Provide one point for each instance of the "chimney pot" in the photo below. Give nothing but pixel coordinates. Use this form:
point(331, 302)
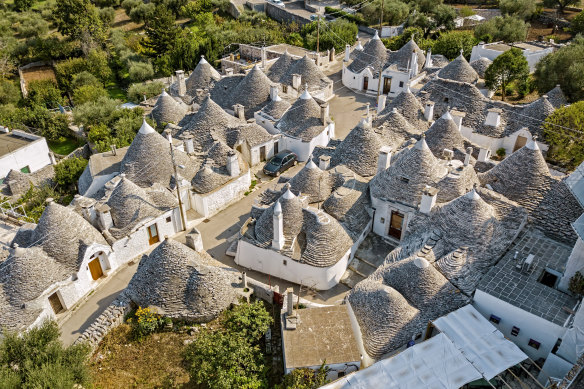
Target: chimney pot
point(484, 155)
point(324, 113)
point(182, 86)
point(429, 111)
point(278, 227)
point(381, 103)
point(428, 199)
point(324, 162)
point(384, 159)
point(467, 156)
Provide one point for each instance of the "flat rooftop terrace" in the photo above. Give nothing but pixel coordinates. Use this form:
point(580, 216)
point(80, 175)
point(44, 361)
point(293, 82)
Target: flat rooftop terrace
point(11, 142)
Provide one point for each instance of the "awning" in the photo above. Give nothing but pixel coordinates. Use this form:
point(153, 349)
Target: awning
point(433, 364)
point(479, 341)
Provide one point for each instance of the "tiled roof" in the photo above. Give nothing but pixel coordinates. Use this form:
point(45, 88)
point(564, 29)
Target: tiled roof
point(480, 66)
point(302, 120)
point(279, 68)
point(374, 54)
point(359, 150)
point(168, 110)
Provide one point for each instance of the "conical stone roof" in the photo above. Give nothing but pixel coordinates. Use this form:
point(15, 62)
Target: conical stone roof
point(532, 116)
point(253, 91)
point(302, 120)
point(403, 57)
point(181, 284)
point(63, 234)
point(311, 181)
point(210, 116)
point(556, 97)
point(409, 107)
point(203, 76)
point(168, 110)
point(459, 70)
point(444, 134)
point(359, 150)
point(310, 74)
point(407, 177)
point(130, 204)
point(480, 66)
point(292, 214)
point(374, 54)
point(280, 67)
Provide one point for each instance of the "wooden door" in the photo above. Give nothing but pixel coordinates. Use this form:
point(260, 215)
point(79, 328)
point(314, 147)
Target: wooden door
point(386, 85)
point(519, 142)
point(365, 83)
point(153, 234)
point(396, 224)
point(263, 153)
point(55, 302)
point(95, 269)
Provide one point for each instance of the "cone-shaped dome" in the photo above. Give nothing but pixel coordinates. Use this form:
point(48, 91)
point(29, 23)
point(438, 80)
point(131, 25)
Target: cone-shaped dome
point(181, 283)
point(556, 97)
point(130, 204)
point(168, 110)
point(310, 74)
point(280, 67)
point(408, 176)
point(207, 179)
point(480, 66)
point(252, 91)
point(210, 116)
point(63, 233)
point(387, 321)
point(202, 77)
point(302, 120)
point(374, 54)
point(403, 57)
point(444, 134)
point(409, 107)
point(459, 70)
point(311, 181)
point(532, 116)
point(292, 214)
point(359, 150)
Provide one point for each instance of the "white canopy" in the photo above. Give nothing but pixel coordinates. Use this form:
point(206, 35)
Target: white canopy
point(433, 364)
point(479, 341)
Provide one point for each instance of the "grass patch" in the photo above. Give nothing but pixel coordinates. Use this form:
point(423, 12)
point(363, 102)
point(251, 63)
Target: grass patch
point(64, 146)
point(115, 92)
point(156, 361)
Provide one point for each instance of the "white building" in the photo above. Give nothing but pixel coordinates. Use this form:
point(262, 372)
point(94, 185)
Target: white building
point(533, 51)
point(23, 152)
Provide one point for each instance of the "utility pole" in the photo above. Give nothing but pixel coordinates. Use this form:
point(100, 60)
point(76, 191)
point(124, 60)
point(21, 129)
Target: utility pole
point(381, 20)
point(180, 204)
point(318, 34)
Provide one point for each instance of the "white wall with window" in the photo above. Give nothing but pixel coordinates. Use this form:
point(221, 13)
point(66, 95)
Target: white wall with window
point(28, 158)
point(303, 149)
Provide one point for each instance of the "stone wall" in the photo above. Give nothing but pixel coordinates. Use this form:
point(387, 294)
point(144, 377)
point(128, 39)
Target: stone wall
point(284, 16)
point(112, 317)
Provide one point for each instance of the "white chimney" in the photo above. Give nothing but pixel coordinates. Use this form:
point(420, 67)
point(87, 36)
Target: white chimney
point(367, 108)
point(188, 142)
point(239, 111)
point(428, 199)
point(414, 64)
point(448, 154)
point(180, 79)
point(274, 92)
point(290, 302)
point(104, 216)
point(52, 158)
point(347, 53)
point(264, 58)
point(296, 79)
point(278, 220)
point(169, 136)
point(229, 72)
point(493, 117)
point(429, 111)
point(324, 161)
point(429, 63)
point(384, 159)
point(381, 103)
point(457, 117)
point(114, 149)
point(232, 164)
point(467, 156)
point(484, 155)
point(324, 113)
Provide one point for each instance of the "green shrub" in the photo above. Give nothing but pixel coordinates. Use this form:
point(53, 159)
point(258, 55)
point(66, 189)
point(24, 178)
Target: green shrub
point(68, 171)
point(251, 320)
point(357, 19)
point(107, 15)
point(84, 78)
point(44, 93)
point(140, 71)
point(128, 5)
point(449, 44)
point(465, 11)
point(142, 12)
point(136, 92)
point(560, 128)
point(576, 285)
point(501, 152)
point(87, 93)
point(66, 69)
point(502, 28)
point(145, 322)
point(9, 92)
point(305, 378)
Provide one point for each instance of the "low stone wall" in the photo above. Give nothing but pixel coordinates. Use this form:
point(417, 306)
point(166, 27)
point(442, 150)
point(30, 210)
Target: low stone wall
point(112, 317)
point(284, 16)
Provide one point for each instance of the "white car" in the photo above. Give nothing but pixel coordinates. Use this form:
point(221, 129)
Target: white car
point(279, 3)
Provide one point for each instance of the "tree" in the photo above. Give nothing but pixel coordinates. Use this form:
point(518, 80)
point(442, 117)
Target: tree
point(161, 32)
point(87, 93)
point(564, 67)
point(136, 92)
point(95, 112)
point(341, 31)
point(502, 28)
point(560, 4)
point(563, 132)
point(576, 285)
point(44, 93)
point(250, 320)
point(9, 92)
point(450, 43)
point(441, 17)
point(79, 19)
point(523, 9)
point(23, 5)
point(506, 68)
point(37, 359)
point(68, 171)
point(305, 378)
point(394, 12)
point(577, 24)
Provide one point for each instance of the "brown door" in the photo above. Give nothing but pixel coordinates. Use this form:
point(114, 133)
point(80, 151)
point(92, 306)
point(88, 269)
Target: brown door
point(365, 83)
point(519, 143)
point(55, 302)
point(153, 234)
point(276, 147)
point(263, 153)
point(396, 224)
point(386, 85)
point(95, 269)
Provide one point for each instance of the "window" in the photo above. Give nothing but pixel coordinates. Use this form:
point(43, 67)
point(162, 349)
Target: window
point(168, 219)
point(340, 374)
point(515, 331)
point(382, 220)
point(25, 169)
point(401, 84)
point(495, 319)
point(284, 262)
point(285, 88)
point(534, 343)
point(446, 99)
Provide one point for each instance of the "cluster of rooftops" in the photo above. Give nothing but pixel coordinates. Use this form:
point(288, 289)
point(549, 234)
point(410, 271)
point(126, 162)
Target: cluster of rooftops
point(462, 212)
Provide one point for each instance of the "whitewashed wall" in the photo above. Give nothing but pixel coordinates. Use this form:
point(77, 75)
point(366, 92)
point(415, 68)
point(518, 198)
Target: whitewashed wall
point(575, 264)
point(271, 262)
point(383, 210)
point(493, 144)
point(97, 183)
point(210, 203)
point(266, 123)
point(532, 57)
point(304, 149)
point(530, 325)
point(255, 152)
point(355, 80)
point(35, 155)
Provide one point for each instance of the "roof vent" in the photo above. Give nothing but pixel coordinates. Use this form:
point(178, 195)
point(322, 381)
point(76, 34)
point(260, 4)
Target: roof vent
point(421, 263)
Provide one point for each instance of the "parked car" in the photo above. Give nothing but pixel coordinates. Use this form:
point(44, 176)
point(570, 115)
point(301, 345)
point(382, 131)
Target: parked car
point(280, 162)
point(279, 3)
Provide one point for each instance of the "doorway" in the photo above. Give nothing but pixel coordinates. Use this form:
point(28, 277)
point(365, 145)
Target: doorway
point(95, 269)
point(386, 85)
point(56, 304)
point(365, 83)
point(519, 142)
point(396, 225)
point(262, 153)
point(153, 234)
point(276, 147)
